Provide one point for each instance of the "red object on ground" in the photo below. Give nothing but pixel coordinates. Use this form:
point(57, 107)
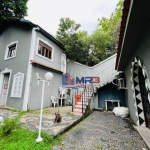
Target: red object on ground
point(78, 97)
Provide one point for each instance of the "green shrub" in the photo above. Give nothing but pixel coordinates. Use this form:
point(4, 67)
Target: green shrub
point(9, 125)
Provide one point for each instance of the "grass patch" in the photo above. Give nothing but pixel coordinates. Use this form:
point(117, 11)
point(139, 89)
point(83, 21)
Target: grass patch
point(97, 146)
point(70, 113)
point(52, 110)
point(23, 139)
point(12, 109)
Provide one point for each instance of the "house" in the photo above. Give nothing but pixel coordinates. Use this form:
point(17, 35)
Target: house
point(101, 76)
point(27, 49)
point(133, 58)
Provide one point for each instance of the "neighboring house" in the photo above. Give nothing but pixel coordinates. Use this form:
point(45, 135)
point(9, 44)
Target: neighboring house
point(133, 57)
point(103, 90)
point(27, 49)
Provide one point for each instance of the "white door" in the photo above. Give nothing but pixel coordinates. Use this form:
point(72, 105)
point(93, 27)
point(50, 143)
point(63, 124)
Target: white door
point(4, 90)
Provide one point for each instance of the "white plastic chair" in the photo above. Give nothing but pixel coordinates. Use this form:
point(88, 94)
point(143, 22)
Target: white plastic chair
point(54, 100)
point(62, 95)
point(60, 89)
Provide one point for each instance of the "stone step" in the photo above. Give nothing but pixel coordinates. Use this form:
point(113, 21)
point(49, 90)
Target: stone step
point(80, 106)
point(84, 99)
point(87, 92)
point(77, 113)
point(78, 110)
point(84, 96)
point(84, 102)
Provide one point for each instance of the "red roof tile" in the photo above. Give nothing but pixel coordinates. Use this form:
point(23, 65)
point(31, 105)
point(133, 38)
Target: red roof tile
point(45, 66)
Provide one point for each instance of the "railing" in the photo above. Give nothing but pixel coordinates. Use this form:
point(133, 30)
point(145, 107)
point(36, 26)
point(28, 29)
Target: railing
point(85, 93)
point(106, 76)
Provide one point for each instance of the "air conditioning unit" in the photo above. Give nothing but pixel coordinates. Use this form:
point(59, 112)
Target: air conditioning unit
point(121, 84)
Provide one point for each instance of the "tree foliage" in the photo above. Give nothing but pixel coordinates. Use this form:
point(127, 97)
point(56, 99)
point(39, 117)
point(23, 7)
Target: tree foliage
point(12, 9)
point(73, 40)
point(91, 49)
point(105, 37)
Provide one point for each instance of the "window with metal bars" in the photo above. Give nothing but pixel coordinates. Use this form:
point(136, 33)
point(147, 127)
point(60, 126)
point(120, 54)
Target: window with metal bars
point(44, 50)
point(11, 51)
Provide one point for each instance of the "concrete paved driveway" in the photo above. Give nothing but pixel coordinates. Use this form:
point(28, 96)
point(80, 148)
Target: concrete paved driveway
point(104, 131)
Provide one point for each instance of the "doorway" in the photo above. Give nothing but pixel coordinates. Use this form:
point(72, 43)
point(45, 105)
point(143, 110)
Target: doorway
point(4, 90)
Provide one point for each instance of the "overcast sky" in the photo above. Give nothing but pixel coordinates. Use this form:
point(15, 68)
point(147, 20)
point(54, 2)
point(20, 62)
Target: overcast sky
point(47, 13)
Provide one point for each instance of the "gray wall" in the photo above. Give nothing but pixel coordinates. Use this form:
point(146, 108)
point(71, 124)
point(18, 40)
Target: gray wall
point(36, 90)
point(22, 34)
point(78, 70)
point(144, 54)
point(104, 69)
point(57, 52)
point(110, 92)
point(51, 90)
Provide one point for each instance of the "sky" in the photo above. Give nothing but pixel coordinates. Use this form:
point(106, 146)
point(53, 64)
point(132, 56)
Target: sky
point(47, 13)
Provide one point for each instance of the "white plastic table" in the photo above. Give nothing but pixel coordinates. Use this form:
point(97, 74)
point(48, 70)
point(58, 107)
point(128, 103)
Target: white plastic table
point(112, 101)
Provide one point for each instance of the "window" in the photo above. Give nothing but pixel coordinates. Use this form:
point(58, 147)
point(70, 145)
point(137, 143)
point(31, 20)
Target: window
point(17, 85)
point(11, 50)
point(45, 50)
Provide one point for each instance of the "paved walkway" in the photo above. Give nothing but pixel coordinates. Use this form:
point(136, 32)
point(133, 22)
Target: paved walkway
point(101, 130)
point(31, 121)
point(104, 131)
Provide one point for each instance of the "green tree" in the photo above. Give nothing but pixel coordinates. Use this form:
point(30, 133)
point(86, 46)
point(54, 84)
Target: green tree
point(91, 49)
point(104, 39)
point(74, 40)
point(99, 41)
point(12, 9)
point(112, 26)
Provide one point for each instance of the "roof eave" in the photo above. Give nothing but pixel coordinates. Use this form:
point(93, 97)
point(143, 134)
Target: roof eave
point(123, 28)
point(38, 64)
